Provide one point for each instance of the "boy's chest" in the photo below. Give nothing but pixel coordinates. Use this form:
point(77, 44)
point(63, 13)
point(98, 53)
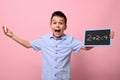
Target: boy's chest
point(60, 46)
point(59, 43)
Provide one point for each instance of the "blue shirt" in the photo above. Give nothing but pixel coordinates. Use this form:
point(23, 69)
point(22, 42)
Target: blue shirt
point(56, 54)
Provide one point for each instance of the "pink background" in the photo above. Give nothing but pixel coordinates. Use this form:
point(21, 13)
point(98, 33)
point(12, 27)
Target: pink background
point(30, 19)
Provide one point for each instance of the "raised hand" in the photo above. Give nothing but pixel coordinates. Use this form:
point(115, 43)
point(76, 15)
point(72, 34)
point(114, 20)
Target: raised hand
point(7, 31)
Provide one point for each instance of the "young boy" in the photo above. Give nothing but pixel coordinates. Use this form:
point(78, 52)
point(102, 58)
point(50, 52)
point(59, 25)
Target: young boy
point(56, 48)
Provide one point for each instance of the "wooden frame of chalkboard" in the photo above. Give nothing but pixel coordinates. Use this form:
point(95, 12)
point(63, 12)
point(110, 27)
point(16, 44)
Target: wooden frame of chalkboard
point(97, 37)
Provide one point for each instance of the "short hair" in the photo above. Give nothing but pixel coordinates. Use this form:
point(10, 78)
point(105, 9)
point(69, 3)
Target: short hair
point(60, 14)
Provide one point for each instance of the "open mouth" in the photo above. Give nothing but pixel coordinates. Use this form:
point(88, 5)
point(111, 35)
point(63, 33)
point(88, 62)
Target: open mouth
point(57, 30)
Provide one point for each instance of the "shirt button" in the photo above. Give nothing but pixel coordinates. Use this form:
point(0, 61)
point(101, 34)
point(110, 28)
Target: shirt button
point(55, 59)
point(55, 75)
point(56, 67)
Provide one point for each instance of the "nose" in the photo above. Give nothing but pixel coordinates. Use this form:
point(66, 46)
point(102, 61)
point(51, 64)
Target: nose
point(57, 25)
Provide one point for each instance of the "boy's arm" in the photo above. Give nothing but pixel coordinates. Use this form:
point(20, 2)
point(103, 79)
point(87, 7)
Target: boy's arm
point(87, 48)
point(15, 38)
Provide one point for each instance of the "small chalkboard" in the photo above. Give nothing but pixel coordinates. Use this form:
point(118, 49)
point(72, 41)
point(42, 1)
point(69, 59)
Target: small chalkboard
point(97, 37)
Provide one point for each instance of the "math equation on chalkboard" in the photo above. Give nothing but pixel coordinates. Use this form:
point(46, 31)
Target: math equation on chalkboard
point(98, 37)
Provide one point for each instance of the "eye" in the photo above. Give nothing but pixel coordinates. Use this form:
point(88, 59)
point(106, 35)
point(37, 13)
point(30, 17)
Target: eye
point(61, 23)
point(54, 22)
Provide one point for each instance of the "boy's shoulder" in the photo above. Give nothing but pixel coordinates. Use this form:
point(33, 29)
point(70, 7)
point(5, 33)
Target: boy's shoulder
point(69, 36)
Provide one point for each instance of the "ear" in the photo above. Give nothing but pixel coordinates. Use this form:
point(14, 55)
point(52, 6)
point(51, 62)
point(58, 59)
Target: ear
point(65, 27)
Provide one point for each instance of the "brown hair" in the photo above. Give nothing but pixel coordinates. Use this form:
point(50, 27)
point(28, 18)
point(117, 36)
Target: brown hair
point(60, 14)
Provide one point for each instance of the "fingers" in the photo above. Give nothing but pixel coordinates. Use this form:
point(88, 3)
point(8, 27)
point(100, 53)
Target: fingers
point(5, 29)
point(112, 35)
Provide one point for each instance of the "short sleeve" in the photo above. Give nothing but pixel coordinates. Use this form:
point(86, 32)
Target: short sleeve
point(76, 45)
point(36, 44)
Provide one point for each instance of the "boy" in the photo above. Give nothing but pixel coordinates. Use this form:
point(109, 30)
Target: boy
point(56, 48)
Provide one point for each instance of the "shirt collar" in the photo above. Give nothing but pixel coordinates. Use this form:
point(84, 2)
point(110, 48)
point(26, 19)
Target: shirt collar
point(60, 38)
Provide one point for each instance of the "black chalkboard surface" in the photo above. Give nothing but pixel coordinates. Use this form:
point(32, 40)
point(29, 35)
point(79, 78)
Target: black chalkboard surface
point(97, 37)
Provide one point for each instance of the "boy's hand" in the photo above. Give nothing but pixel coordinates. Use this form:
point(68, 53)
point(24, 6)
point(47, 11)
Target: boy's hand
point(112, 34)
point(7, 31)
point(87, 48)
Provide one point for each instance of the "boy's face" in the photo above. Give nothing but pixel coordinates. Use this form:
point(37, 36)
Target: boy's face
point(58, 26)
